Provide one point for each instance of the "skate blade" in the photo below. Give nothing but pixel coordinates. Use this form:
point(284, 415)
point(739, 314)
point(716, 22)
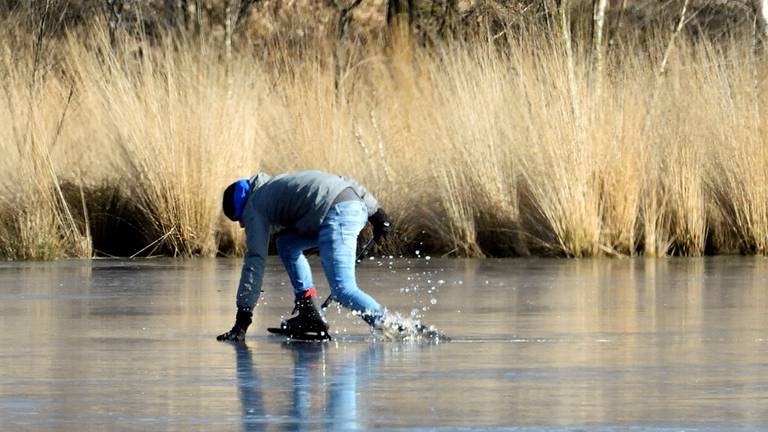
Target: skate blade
point(306, 336)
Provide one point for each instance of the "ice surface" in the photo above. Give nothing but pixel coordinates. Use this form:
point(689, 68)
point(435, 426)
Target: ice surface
point(544, 345)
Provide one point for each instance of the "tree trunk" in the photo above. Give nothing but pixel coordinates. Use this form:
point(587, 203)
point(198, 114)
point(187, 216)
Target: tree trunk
point(228, 32)
point(761, 10)
point(597, 39)
point(565, 27)
point(177, 13)
point(242, 12)
point(114, 9)
point(396, 8)
point(345, 15)
point(170, 10)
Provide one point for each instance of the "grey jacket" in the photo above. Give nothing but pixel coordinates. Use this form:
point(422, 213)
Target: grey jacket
point(297, 201)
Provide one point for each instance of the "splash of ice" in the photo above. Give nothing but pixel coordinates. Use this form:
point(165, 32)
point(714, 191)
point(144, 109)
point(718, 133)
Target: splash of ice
point(395, 327)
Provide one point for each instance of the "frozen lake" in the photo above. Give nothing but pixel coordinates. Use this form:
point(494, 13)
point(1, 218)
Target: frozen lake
point(538, 345)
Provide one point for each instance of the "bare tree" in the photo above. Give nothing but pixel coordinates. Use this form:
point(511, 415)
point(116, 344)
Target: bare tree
point(597, 40)
point(345, 15)
point(234, 13)
point(177, 13)
point(114, 10)
point(228, 18)
point(397, 8)
point(170, 8)
point(565, 26)
point(242, 11)
point(675, 34)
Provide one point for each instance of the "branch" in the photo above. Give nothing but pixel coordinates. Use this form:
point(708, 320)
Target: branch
point(678, 29)
point(345, 15)
point(242, 12)
point(597, 42)
point(114, 10)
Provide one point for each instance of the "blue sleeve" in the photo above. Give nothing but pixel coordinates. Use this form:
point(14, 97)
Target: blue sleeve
point(257, 232)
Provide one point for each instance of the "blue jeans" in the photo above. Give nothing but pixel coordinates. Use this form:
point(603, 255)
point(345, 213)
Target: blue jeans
point(337, 240)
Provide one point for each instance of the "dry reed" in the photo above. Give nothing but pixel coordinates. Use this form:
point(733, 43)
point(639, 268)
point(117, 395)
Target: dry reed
point(473, 149)
point(36, 221)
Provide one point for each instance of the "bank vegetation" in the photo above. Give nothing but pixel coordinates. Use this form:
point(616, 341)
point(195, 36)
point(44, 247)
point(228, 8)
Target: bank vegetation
point(571, 129)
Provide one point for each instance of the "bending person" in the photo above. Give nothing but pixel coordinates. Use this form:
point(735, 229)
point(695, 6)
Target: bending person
point(305, 209)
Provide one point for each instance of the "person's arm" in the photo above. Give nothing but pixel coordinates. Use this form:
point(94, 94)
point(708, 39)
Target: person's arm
point(257, 232)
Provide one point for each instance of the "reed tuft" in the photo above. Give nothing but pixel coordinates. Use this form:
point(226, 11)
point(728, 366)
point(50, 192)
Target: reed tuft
point(476, 148)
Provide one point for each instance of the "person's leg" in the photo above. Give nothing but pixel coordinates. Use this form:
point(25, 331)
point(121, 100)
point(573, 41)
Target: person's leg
point(308, 322)
point(338, 247)
point(291, 247)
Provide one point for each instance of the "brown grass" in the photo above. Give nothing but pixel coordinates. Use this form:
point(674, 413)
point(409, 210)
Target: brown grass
point(474, 150)
point(36, 222)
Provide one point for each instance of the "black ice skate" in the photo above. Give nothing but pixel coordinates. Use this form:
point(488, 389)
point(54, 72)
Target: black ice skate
point(308, 324)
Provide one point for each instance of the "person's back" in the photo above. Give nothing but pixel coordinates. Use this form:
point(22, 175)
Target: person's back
point(300, 200)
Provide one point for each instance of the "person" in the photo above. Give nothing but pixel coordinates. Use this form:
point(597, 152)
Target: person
point(305, 210)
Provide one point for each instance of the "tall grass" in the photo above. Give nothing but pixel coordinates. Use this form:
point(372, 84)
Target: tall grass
point(738, 166)
point(176, 126)
point(475, 150)
point(36, 221)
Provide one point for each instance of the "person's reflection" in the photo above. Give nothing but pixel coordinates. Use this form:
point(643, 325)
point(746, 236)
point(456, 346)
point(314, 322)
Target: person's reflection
point(308, 359)
point(340, 385)
point(308, 368)
point(250, 390)
point(312, 379)
point(342, 405)
point(356, 371)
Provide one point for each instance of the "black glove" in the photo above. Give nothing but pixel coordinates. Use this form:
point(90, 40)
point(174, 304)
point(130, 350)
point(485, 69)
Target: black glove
point(381, 223)
point(237, 334)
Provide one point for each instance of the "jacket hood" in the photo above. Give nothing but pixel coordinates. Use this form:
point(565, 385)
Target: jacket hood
point(259, 179)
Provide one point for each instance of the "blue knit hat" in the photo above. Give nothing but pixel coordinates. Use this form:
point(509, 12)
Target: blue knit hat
point(235, 197)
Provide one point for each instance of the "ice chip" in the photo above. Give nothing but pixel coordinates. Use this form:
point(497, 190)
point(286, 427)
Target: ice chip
point(395, 327)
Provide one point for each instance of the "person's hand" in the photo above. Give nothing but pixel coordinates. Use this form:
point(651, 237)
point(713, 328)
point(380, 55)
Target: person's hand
point(382, 225)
